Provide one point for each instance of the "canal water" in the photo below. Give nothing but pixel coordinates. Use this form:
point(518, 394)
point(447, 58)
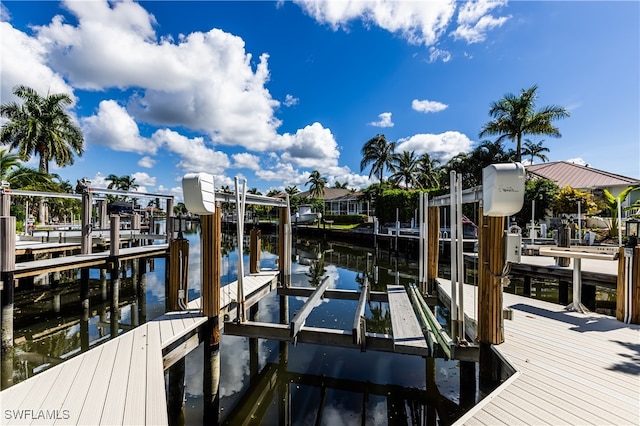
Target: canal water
point(262, 381)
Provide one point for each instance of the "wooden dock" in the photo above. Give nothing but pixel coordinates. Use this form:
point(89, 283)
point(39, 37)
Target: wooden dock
point(570, 368)
point(95, 260)
point(121, 381)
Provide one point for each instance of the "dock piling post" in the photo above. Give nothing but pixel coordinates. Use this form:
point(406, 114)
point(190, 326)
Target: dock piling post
point(7, 266)
point(254, 251)
point(85, 242)
point(284, 248)
point(490, 320)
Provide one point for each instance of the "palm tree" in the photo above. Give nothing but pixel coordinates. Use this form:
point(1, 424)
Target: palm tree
point(339, 185)
point(316, 184)
point(378, 152)
point(41, 126)
point(515, 116)
point(535, 150)
point(273, 192)
point(291, 190)
point(19, 177)
point(404, 168)
point(121, 183)
point(429, 172)
point(254, 191)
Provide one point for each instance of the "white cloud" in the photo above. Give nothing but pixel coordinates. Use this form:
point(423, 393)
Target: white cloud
point(435, 54)
point(290, 100)
point(24, 62)
point(442, 146)
point(419, 22)
point(428, 106)
point(5, 15)
point(474, 20)
point(579, 161)
point(385, 120)
point(114, 128)
point(146, 162)
point(312, 147)
point(195, 155)
point(229, 101)
point(246, 161)
point(143, 179)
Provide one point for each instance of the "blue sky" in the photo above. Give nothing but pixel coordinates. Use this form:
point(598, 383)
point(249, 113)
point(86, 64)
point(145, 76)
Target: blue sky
point(271, 91)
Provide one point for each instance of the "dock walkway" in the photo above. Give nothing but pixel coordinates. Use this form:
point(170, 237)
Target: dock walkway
point(571, 368)
point(118, 382)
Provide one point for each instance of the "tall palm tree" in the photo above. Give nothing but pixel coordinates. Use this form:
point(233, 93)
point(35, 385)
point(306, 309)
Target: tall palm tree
point(292, 190)
point(42, 126)
point(535, 150)
point(405, 169)
point(429, 172)
point(254, 191)
point(515, 116)
point(122, 183)
point(339, 185)
point(316, 184)
point(378, 152)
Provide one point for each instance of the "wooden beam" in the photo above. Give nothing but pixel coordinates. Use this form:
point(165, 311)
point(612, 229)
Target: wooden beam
point(434, 248)
point(490, 266)
point(408, 336)
point(333, 293)
point(301, 316)
point(211, 261)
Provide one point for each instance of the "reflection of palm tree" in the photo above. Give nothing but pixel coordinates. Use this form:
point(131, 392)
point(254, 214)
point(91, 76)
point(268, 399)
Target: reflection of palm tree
point(316, 271)
point(380, 322)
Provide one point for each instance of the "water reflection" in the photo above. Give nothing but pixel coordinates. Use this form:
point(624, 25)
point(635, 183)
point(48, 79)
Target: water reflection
point(299, 384)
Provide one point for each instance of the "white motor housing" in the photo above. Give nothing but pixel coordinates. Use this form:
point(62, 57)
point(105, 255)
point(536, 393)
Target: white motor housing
point(503, 189)
point(199, 193)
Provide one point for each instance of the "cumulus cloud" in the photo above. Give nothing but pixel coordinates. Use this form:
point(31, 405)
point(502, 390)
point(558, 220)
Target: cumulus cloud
point(290, 100)
point(146, 162)
point(143, 180)
point(314, 146)
point(442, 146)
point(229, 101)
point(384, 120)
point(246, 161)
point(114, 128)
point(24, 62)
point(195, 155)
point(474, 20)
point(417, 22)
point(428, 106)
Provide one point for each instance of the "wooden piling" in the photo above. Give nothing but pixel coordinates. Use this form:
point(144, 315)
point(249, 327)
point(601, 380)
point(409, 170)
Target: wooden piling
point(490, 266)
point(85, 242)
point(5, 204)
point(254, 250)
point(284, 248)
point(628, 257)
point(7, 266)
point(178, 272)
point(211, 261)
point(433, 250)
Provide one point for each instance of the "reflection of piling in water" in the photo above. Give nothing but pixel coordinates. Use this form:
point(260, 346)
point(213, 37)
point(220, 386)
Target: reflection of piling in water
point(175, 398)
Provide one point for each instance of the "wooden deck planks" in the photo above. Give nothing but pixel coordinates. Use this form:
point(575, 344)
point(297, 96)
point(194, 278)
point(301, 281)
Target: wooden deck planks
point(408, 336)
point(574, 368)
point(114, 401)
point(118, 382)
point(155, 398)
point(135, 403)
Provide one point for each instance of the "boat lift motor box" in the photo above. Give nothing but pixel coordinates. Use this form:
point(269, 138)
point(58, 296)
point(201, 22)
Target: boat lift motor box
point(503, 189)
point(199, 193)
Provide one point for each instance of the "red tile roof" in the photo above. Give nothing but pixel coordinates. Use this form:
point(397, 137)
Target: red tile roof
point(576, 176)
